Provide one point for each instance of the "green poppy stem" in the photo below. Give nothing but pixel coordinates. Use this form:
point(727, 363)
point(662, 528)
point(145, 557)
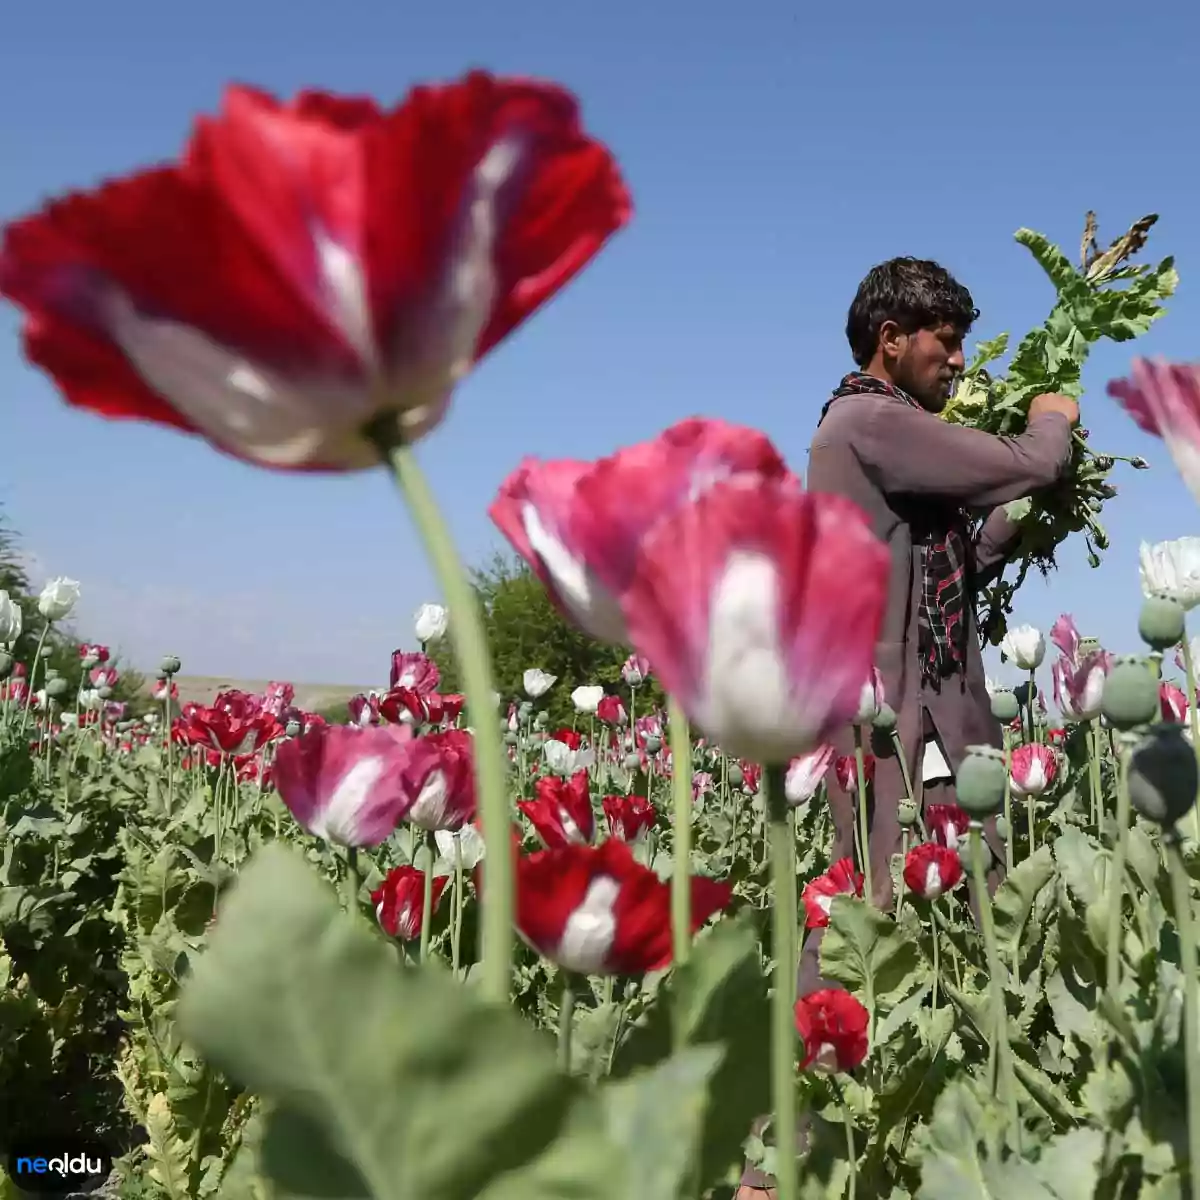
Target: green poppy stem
point(474, 661)
point(566, 1018)
point(783, 1022)
point(1005, 1076)
point(353, 881)
point(681, 796)
point(1094, 786)
point(1008, 841)
point(1181, 897)
point(1116, 885)
point(864, 821)
point(1189, 668)
point(427, 897)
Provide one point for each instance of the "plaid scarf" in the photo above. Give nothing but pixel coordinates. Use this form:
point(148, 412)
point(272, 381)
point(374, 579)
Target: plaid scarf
point(942, 617)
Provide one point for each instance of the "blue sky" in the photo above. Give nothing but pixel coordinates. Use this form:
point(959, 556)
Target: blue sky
point(773, 158)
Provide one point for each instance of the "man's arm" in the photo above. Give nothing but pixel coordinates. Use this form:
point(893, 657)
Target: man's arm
point(913, 452)
point(996, 539)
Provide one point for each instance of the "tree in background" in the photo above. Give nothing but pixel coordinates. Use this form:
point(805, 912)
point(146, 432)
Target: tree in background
point(525, 630)
point(64, 646)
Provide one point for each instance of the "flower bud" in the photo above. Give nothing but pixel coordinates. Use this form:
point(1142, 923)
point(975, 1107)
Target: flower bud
point(1104, 462)
point(45, 652)
point(885, 718)
point(170, 665)
point(56, 686)
point(980, 781)
point(1138, 463)
point(88, 661)
point(653, 744)
point(735, 776)
point(1004, 705)
point(1161, 622)
point(906, 812)
point(1163, 775)
point(1130, 694)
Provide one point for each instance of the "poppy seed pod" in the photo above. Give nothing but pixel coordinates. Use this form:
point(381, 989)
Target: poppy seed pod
point(6, 664)
point(170, 665)
point(735, 776)
point(1163, 776)
point(1130, 693)
point(885, 718)
point(906, 812)
point(1161, 622)
point(511, 739)
point(1002, 830)
point(632, 762)
point(980, 781)
point(1088, 645)
point(292, 729)
point(104, 692)
point(654, 745)
point(56, 686)
point(1004, 705)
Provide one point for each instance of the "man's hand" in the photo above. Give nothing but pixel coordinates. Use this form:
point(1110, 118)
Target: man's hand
point(1052, 402)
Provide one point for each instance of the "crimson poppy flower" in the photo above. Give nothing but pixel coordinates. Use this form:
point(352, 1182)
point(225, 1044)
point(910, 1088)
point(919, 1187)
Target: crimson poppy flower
point(93, 650)
point(1163, 398)
point(309, 268)
point(440, 778)
point(597, 911)
point(804, 774)
point(611, 711)
point(235, 723)
point(345, 784)
point(403, 706)
point(845, 770)
point(629, 818)
point(817, 897)
point(930, 870)
point(414, 670)
point(1174, 703)
point(832, 1026)
point(400, 901)
point(568, 737)
point(562, 812)
point(947, 824)
point(1032, 769)
point(760, 638)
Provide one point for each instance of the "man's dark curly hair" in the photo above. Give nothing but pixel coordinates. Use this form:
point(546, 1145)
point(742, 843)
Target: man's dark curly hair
point(913, 292)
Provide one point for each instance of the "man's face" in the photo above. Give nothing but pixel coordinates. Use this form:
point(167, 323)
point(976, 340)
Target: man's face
point(927, 363)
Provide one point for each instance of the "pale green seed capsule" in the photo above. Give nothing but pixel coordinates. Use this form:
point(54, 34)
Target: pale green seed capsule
point(1004, 705)
point(980, 781)
point(906, 812)
point(1130, 694)
point(885, 718)
point(1161, 622)
point(1163, 775)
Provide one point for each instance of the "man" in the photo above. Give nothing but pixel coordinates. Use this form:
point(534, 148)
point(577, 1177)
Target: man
point(918, 478)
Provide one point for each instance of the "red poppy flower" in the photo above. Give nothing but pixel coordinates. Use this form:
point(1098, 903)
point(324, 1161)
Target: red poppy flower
point(403, 706)
point(597, 911)
point(1164, 399)
point(440, 778)
point(832, 1026)
point(310, 267)
point(840, 879)
point(562, 812)
point(947, 824)
point(629, 818)
point(930, 870)
point(1033, 769)
point(611, 711)
point(1173, 702)
point(235, 723)
point(568, 737)
point(845, 770)
point(414, 670)
point(400, 901)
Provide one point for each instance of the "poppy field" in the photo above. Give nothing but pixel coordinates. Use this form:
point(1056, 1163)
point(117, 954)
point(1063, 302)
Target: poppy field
point(442, 946)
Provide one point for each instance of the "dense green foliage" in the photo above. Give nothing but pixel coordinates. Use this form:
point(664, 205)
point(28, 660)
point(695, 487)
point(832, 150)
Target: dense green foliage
point(525, 630)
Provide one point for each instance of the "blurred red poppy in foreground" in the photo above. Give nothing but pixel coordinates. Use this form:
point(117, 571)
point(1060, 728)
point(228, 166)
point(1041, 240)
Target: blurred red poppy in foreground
point(597, 911)
point(309, 267)
point(1164, 399)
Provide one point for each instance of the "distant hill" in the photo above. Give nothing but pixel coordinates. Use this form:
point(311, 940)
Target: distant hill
point(201, 689)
